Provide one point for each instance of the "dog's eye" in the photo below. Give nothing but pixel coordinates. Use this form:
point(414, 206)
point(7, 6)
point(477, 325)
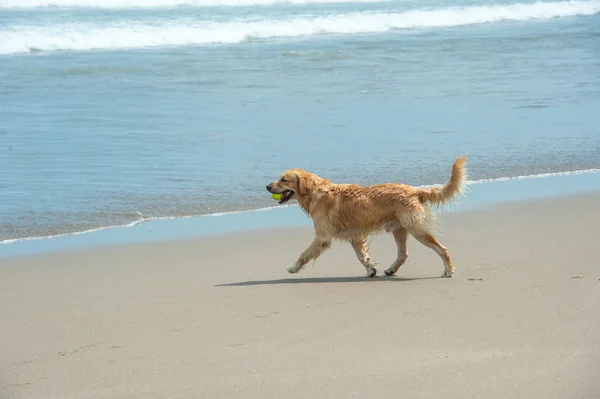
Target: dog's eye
point(283, 179)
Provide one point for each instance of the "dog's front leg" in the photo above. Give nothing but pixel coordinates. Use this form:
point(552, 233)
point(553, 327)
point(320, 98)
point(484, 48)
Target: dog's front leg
point(362, 253)
point(314, 250)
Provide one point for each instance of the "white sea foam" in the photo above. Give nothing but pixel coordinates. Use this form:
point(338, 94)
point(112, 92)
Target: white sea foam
point(127, 4)
point(270, 208)
point(182, 32)
point(132, 224)
point(144, 219)
point(539, 176)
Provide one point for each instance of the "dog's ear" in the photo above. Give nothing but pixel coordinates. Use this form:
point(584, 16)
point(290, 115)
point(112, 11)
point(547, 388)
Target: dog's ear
point(305, 183)
point(299, 185)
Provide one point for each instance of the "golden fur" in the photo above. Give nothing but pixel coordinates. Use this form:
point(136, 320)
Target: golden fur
point(351, 212)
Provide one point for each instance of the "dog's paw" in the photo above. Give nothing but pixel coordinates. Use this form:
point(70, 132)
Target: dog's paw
point(372, 272)
point(448, 273)
point(293, 268)
point(389, 272)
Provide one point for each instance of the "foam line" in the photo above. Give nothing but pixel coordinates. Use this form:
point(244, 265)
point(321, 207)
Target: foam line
point(149, 4)
point(113, 35)
point(147, 219)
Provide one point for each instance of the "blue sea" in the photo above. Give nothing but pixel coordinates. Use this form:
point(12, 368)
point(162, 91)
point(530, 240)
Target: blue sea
point(118, 111)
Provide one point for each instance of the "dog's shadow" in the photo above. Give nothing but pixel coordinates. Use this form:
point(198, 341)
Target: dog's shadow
point(322, 280)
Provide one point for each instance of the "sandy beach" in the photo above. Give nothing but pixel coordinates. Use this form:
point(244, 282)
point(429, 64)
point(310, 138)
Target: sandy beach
point(220, 317)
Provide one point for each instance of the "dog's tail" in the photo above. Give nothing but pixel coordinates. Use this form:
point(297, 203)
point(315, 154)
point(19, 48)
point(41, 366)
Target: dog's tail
point(455, 186)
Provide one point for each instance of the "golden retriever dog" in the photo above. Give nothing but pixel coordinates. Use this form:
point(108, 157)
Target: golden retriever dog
point(351, 212)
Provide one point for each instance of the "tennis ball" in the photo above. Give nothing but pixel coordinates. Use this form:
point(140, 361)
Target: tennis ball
point(276, 197)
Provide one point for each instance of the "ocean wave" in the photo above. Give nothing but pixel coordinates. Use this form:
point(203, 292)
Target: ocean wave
point(130, 34)
point(144, 219)
point(132, 4)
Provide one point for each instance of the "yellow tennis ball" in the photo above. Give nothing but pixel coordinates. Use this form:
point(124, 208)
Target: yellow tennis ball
point(276, 197)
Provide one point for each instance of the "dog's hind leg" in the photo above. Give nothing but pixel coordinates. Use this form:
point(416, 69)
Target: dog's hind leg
point(361, 250)
point(400, 236)
point(314, 250)
point(429, 241)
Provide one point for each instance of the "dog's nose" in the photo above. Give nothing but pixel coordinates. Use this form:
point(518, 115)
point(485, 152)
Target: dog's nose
point(269, 186)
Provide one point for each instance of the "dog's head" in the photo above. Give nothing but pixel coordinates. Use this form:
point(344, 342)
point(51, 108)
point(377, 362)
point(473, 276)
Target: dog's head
point(294, 184)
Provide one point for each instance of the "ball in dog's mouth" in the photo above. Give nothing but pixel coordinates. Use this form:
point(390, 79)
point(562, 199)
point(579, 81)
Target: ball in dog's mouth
point(286, 196)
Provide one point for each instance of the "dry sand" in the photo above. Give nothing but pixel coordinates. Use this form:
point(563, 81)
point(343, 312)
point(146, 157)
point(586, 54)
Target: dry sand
point(220, 317)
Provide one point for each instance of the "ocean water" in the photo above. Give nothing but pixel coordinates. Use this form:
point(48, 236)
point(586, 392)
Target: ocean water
point(115, 111)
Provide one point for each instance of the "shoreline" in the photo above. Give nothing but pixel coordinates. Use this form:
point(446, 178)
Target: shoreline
point(148, 219)
point(480, 195)
point(220, 317)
